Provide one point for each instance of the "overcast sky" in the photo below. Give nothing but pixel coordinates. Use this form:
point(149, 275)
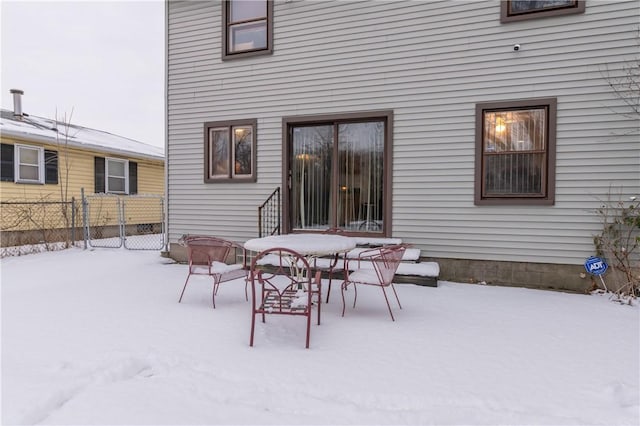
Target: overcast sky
point(103, 60)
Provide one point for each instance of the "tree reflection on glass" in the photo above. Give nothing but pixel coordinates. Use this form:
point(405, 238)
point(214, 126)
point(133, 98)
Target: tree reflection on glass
point(350, 197)
point(243, 141)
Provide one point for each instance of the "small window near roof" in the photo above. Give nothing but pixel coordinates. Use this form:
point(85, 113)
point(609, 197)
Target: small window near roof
point(230, 149)
point(519, 10)
point(515, 152)
point(247, 28)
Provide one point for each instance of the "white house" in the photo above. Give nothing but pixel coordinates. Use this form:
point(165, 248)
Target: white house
point(484, 133)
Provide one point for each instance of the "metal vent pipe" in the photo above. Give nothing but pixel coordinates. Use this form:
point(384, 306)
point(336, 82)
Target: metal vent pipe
point(17, 102)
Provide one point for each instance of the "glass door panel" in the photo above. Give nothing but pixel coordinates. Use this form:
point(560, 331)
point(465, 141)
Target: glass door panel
point(310, 196)
point(360, 176)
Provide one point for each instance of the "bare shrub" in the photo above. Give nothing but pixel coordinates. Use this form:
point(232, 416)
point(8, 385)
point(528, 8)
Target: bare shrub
point(619, 244)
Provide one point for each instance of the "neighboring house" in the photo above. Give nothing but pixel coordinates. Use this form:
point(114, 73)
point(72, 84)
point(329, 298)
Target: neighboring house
point(48, 160)
point(484, 133)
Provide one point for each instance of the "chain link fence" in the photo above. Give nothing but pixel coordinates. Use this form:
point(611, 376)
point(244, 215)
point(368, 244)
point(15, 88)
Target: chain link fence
point(135, 222)
point(35, 226)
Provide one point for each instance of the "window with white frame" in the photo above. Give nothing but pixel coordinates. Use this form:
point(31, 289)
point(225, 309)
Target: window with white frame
point(29, 164)
point(117, 175)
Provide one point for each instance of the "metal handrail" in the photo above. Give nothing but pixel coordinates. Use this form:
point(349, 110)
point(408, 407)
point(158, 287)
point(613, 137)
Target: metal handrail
point(269, 215)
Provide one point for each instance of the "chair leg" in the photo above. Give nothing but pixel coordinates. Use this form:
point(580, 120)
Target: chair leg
point(333, 264)
point(343, 287)
point(184, 288)
point(355, 294)
point(394, 292)
point(388, 305)
point(253, 326)
point(319, 284)
point(308, 327)
point(216, 284)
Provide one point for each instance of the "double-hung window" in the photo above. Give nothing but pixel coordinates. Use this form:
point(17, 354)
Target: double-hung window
point(29, 162)
point(520, 10)
point(515, 152)
point(117, 176)
point(230, 150)
point(247, 28)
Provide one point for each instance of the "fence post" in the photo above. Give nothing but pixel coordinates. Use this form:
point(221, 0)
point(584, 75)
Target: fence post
point(85, 221)
point(121, 220)
point(73, 221)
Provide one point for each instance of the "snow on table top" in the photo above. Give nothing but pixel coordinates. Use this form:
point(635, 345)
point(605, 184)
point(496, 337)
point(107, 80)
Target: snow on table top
point(305, 244)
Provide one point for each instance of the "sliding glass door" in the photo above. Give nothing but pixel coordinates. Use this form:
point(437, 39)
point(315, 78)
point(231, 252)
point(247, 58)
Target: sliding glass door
point(337, 175)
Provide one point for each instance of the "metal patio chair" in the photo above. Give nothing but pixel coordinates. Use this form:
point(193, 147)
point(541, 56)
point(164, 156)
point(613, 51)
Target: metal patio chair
point(375, 267)
point(289, 288)
point(209, 256)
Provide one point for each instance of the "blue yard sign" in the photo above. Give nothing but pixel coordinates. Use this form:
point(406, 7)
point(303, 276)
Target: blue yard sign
point(595, 265)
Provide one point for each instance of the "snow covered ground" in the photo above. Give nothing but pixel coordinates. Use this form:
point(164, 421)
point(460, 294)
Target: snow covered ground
point(97, 337)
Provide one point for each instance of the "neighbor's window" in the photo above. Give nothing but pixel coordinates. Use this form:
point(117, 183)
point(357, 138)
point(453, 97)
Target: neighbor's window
point(515, 152)
point(117, 175)
point(114, 175)
point(230, 151)
point(29, 164)
point(519, 10)
point(247, 28)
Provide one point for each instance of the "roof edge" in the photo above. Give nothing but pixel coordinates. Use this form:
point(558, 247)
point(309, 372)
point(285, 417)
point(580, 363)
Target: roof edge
point(54, 141)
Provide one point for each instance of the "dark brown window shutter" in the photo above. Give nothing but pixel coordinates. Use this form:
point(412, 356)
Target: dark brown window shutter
point(99, 182)
point(133, 177)
point(50, 166)
point(6, 163)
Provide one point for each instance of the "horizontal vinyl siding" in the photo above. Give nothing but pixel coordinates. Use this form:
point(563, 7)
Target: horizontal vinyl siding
point(150, 177)
point(80, 175)
point(429, 62)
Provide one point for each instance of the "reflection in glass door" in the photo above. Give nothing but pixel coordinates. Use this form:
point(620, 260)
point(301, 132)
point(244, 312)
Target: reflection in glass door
point(337, 176)
point(310, 197)
point(360, 175)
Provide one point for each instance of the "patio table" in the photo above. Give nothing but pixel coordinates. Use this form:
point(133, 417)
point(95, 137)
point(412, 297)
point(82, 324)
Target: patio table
point(309, 245)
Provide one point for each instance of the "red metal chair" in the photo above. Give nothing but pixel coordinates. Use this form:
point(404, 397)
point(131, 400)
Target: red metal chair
point(290, 289)
point(376, 267)
point(209, 256)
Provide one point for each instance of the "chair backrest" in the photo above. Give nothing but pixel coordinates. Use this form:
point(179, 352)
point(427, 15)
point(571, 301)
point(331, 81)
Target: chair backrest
point(386, 262)
point(292, 272)
point(202, 249)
